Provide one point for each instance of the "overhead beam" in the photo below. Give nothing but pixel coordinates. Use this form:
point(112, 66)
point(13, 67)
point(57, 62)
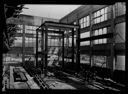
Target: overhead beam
point(53, 31)
point(61, 25)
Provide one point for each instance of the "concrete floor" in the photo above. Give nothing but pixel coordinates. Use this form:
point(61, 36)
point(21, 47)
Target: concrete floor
point(66, 81)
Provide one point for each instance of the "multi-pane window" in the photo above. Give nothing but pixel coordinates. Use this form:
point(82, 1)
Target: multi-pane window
point(12, 58)
point(100, 41)
point(30, 29)
point(120, 8)
point(70, 41)
point(20, 26)
point(84, 22)
point(100, 61)
point(18, 42)
point(100, 32)
point(30, 42)
point(84, 43)
point(85, 35)
point(20, 29)
point(27, 56)
point(84, 58)
point(39, 34)
point(101, 15)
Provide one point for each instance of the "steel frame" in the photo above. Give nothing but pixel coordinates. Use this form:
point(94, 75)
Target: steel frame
point(62, 27)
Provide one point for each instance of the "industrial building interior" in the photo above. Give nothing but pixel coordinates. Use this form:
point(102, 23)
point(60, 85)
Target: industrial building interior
point(84, 50)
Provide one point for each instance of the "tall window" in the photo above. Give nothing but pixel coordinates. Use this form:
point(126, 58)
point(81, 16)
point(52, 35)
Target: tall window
point(70, 41)
point(100, 15)
point(74, 24)
point(20, 27)
point(84, 22)
point(75, 40)
point(100, 31)
point(85, 35)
